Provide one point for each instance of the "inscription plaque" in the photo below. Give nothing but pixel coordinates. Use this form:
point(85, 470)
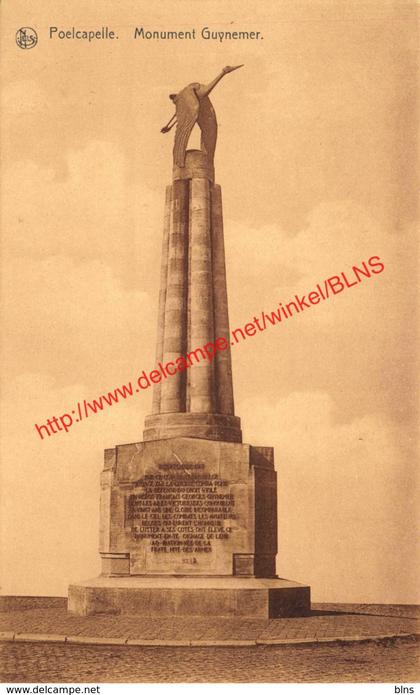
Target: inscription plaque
point(181, 509)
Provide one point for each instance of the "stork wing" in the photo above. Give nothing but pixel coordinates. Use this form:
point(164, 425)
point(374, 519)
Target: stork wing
point(208, 124)
point(187, 108)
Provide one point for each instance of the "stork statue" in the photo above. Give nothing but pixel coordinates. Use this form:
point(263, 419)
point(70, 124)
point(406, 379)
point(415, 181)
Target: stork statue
point(193, 106)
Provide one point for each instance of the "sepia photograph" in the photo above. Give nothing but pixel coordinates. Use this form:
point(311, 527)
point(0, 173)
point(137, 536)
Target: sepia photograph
point(209, 388)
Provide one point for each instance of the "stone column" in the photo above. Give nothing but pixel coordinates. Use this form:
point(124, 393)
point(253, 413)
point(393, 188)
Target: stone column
point(200, 288)
point(198, 401)
point(162, 295)
point(172, 399)
point(223, 361)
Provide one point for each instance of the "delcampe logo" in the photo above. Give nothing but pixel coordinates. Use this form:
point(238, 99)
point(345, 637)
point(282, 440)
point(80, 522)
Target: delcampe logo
point(26, 37)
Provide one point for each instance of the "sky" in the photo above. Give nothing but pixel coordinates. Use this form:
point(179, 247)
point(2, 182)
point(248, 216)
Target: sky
point(316, 158)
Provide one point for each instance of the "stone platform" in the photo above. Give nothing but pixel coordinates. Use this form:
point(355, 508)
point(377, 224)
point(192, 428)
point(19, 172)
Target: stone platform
point(46, 619)
point(224, 597)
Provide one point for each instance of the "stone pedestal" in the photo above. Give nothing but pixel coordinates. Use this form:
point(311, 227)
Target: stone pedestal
point(189, 507)
point(189, 526)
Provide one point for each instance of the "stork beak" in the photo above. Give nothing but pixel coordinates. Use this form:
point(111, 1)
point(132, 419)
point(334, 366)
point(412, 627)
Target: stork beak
point(236, 67)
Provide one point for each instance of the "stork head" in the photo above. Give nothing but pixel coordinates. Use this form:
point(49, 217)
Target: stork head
point(230, 68)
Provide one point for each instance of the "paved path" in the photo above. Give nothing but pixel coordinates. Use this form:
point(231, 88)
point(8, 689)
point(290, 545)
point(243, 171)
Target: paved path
point(386, 661)
point(46, 620)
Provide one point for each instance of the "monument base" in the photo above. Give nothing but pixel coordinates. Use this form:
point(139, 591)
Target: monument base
point(224, 597)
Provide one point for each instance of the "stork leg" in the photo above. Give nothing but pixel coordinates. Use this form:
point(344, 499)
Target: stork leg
point(169, 125)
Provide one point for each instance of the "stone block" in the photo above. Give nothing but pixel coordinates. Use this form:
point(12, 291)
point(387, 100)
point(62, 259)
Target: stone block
point(187, 506)
point(227, 597)
point(115, 563)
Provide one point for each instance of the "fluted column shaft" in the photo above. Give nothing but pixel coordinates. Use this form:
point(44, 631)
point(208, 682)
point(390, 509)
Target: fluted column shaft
point(162, 295)
point(175, 329)
point(200, 291)
point(223, 361)
point(194, 397)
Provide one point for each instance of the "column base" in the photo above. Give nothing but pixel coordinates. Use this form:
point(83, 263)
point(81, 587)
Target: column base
point(197, 425)
point(224, 597)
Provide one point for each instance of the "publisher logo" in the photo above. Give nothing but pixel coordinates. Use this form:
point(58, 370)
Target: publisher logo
point(26, 37)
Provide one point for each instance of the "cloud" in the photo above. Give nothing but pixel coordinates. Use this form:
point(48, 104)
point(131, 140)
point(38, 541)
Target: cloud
point(346, 498)
point(88, 210)
point(50, 501)
point(337, 235)
point(22, 97)
point(74, 321)
point(345, 346)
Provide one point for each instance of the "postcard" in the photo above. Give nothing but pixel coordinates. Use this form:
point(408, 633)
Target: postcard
point(209, 388)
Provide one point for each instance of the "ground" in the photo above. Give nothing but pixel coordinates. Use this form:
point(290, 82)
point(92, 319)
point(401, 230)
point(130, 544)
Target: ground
point(41, 642)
